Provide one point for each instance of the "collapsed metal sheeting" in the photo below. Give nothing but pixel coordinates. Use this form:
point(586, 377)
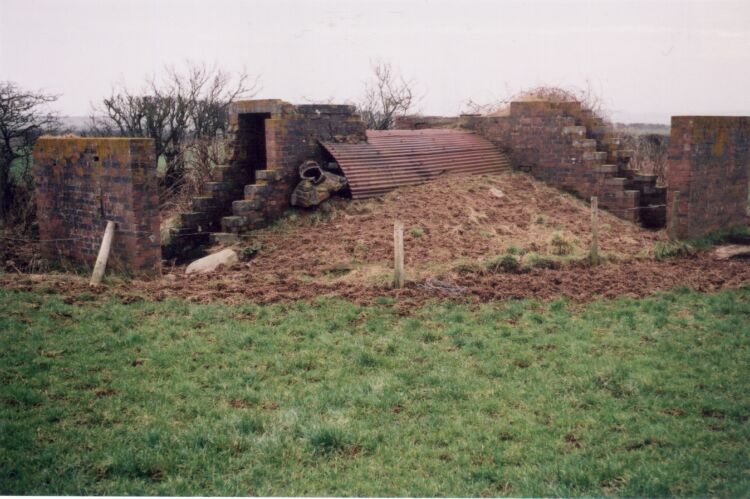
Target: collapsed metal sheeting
point(395, 158)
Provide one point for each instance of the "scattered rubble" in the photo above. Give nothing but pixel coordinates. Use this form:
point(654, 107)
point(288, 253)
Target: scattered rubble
point(225, 257)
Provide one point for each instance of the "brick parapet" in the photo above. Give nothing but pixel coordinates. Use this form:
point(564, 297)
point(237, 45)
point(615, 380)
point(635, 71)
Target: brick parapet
point(81, 183)
point(708, 163)
point(554, 142)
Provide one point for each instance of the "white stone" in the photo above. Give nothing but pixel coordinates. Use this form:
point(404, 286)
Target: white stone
point(211, 262)
point(497, 192)
point(732, 251)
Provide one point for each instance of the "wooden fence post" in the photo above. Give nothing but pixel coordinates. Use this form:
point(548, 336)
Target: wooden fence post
point(594, 254)
point(398, 255)
point(101, 259)
point(673, 217)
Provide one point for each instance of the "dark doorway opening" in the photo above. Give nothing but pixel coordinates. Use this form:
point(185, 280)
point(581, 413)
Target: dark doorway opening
point(251, 143)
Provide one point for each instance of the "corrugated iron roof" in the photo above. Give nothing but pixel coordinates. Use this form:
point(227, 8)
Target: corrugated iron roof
point(396, 158)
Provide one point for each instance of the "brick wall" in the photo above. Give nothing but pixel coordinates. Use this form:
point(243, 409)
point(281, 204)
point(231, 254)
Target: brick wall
point(420, 122)
point(708, 164)
point(81, 183)
point(292, 135)
point(561, 144)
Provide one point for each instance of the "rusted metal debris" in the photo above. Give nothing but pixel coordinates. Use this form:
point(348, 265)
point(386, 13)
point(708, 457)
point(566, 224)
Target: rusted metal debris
point(395, 158)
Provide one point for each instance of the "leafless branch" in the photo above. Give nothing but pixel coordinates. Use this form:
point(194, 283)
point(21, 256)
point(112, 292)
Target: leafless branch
point(386, 96)
point(24, 116)
point(178, 107)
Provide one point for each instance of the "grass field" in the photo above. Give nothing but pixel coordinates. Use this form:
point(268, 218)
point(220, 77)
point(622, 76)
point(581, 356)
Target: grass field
point(626, 397)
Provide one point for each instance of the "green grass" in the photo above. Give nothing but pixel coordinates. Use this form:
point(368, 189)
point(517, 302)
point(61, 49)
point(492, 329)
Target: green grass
point(669, 249)
point(624, 397)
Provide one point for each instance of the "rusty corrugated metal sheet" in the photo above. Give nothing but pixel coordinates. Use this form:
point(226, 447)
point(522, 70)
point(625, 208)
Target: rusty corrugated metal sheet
point(396, 158)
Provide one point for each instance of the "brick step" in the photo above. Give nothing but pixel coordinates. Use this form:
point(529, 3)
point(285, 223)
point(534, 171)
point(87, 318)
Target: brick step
point(214, 188)
point(223, 193)
point(642, 182)
point(575, 131)
point(611, 140)
point(234, 224)
point(658, 193)
point(254, 190)
point(616, 182)
point(244, 207)
point(188, 235)
point(628, 172)
point(224, 238)
point(594, 158)
point(622, 203)
point(268, 176)
point(606, 169)
point(597, 130)
point(585, 144)
point(204, 203)
point(238, 224)
point(595, 155)
point(646, 178)
point(620, 197)
point(198, 221)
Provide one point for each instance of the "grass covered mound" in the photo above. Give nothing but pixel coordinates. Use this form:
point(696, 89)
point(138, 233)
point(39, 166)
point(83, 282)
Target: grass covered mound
point(619, 397)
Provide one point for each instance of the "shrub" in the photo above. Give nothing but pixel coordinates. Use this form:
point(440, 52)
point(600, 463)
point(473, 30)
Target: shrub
point(538, 261)
point(671, 249)
point(504, 263)
point(467, 267)
point(417, 232)
point(561, 244)
point(249, 252)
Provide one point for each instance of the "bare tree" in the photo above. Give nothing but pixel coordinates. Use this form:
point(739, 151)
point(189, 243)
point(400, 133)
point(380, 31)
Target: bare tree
point(387, 95)
point(649, 152)
point(23, 118)
point(178, 107)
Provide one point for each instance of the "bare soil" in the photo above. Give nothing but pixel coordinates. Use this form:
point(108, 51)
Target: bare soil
point(451, 220)
point(345, 249)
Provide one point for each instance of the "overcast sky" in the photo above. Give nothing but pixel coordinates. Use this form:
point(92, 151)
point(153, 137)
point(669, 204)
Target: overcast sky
point(648, 59)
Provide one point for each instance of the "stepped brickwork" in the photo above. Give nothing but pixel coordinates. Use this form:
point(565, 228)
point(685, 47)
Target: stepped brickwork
point(570, 148)
point(268, 140)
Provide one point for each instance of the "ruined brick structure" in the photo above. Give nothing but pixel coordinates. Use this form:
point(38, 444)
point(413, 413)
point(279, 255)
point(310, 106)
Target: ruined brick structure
point(268, 140)
point(708, 163)
point(81, 183)
point(422, 122)
point(569, 148)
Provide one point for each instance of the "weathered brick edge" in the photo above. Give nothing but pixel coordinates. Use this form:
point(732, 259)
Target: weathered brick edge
point(83, 182)
point(568, 147)
point(708, 163)
point(293, 135)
